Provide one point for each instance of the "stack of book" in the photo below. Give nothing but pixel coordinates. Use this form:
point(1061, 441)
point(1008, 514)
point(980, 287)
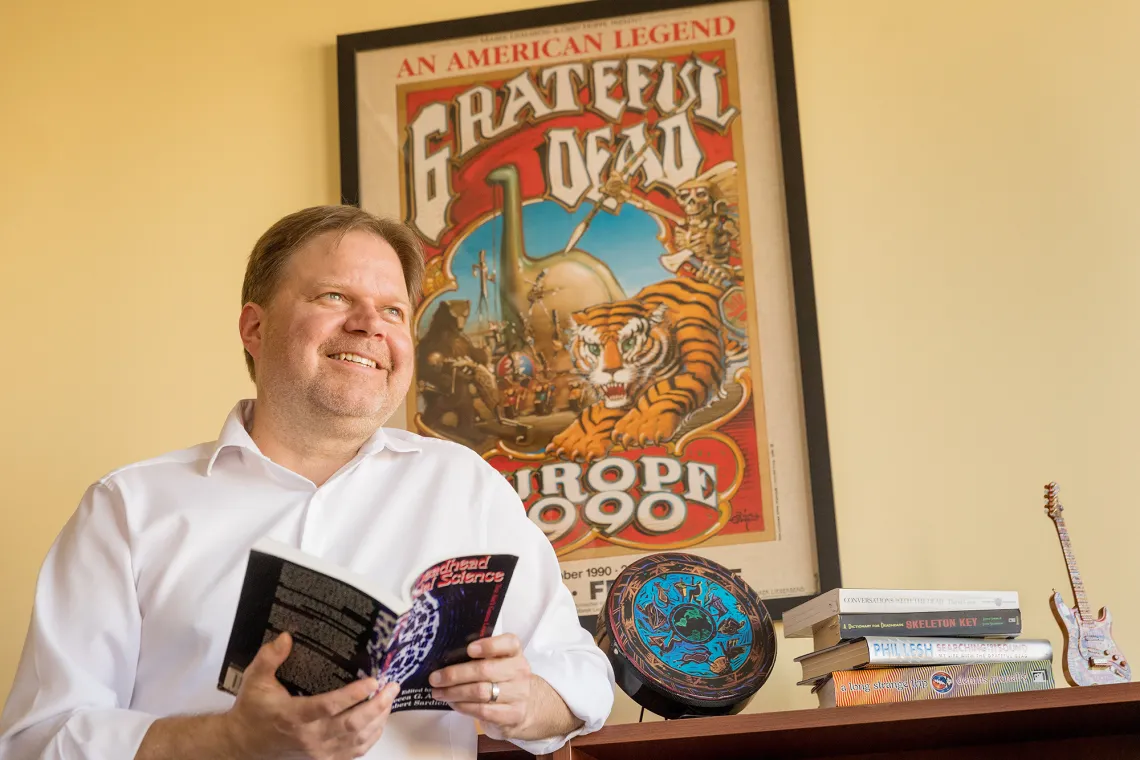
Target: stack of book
point(897, 645)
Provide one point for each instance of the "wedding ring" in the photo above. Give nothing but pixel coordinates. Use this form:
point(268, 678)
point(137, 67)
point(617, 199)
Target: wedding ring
point(494, 692)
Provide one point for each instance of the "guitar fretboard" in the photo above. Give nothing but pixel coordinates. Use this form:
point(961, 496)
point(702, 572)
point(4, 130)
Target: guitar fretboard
point(1074, 573)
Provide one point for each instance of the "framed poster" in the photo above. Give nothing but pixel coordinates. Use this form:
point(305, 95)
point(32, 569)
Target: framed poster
point(618, 312)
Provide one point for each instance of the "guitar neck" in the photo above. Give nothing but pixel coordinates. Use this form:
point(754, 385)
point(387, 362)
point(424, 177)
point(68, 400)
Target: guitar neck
point(1074, 574)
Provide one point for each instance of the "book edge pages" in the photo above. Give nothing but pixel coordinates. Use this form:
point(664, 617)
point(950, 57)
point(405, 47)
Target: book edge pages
point(825, 650)
point(794, 619)
point(361, 583)
point(846, 655)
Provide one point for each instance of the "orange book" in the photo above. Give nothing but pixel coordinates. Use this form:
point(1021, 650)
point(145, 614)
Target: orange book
point(846, 688)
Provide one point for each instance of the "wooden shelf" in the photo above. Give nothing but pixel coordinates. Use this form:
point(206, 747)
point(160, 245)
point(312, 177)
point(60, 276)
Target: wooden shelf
point(1093, 721)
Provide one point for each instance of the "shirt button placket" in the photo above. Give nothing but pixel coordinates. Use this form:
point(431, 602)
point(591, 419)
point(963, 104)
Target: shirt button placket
point(310, 525)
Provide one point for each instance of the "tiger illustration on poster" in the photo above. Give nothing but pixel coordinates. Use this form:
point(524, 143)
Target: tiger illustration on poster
point(589, 312)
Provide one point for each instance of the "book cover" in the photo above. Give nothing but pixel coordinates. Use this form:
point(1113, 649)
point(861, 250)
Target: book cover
point(909, 650)
point(872, 687)
point(345, 627)
point(975, 623)
point(799, 621)
point(889, 651)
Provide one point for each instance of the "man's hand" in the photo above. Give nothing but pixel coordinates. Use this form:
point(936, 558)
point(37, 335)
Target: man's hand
point(526, 707)
point(267, 722)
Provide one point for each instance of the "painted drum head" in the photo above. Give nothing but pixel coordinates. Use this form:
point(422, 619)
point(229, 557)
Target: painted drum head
point(686, 636)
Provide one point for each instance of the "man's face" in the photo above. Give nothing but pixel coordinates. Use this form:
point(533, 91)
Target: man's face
point(335, 339)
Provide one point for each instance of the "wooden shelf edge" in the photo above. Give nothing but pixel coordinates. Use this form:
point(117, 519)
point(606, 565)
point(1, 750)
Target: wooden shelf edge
point(1062, 698)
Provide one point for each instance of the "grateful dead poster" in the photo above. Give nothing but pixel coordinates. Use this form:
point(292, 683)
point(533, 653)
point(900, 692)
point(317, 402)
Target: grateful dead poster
point(606, 315)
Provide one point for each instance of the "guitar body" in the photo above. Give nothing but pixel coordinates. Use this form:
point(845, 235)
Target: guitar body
point(1091, 656)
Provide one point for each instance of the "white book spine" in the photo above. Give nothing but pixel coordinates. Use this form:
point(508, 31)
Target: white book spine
point(902, 601)
point(908, 650)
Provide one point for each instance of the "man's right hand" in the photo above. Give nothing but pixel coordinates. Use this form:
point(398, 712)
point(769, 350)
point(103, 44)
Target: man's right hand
point(267, 722)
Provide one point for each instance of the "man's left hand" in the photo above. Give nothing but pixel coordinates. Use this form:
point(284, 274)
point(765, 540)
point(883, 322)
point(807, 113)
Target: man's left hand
point(495, 687)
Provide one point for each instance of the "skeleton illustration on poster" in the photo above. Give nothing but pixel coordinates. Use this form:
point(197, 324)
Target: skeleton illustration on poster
point(600, 206)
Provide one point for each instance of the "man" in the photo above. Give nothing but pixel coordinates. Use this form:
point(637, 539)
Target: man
point(136, 597)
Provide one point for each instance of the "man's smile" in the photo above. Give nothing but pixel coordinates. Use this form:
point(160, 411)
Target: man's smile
point(355, 359)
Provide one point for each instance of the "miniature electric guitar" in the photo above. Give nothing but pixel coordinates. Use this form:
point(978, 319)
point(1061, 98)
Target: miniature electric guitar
point(1091, 656)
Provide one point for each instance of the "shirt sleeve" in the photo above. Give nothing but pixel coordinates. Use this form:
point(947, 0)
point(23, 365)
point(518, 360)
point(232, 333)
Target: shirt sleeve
point(541, 612)
point(76, 674)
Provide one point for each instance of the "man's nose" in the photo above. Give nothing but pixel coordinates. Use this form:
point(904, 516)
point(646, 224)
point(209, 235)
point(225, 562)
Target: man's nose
point(365, 319)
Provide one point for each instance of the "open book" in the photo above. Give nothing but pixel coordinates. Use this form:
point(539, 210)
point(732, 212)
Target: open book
point(345, 627)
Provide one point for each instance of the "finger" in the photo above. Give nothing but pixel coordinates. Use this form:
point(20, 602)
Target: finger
point(269, 657)
point(509, 691)
point(506, 645)
point(334, 702)
point(497, 670)
point(357, 720)
point(468, 692)
point(372, 733)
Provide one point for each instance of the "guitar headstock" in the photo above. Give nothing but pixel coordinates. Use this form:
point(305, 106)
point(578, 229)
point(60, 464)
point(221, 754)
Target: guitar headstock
point(1053, 506)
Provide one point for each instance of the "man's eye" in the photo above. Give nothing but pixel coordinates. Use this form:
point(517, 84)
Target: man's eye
point(333, 296)
point(396, 311)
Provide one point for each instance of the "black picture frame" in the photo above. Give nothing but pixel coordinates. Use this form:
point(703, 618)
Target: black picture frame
point(815, 416)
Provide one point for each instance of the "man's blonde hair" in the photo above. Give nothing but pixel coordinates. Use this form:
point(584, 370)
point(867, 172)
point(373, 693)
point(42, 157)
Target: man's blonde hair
point(272, 251)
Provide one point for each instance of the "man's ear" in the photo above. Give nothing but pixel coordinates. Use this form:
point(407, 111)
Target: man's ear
point(249, 328)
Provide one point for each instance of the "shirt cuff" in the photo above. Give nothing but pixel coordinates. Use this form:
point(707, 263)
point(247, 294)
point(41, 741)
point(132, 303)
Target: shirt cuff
point(579, 681)
point(100, 734)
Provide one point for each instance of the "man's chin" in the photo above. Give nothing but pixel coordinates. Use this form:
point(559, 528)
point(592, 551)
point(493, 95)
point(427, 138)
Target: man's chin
point(375, 409)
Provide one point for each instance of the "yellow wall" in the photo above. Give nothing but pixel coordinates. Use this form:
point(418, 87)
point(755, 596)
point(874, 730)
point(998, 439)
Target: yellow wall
point(973, 175)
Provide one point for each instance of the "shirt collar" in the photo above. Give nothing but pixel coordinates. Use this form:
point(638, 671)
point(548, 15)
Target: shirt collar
point(383, 439)
point(235, 434)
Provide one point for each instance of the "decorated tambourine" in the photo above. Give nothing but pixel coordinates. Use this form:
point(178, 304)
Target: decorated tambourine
point(686, 636)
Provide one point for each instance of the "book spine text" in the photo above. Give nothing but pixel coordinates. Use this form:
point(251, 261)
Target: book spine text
point(863, 601)
point(907, 650)
point(870, 687)
point(972, 623)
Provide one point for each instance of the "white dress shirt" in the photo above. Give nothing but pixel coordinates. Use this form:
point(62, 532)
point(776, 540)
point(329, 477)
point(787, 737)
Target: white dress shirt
point(136, 598)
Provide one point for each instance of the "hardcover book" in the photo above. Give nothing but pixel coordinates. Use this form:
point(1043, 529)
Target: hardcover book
point(799, 621)
point(872, 687)
point(346, 626)
point(889, 651)
point(974, 623)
